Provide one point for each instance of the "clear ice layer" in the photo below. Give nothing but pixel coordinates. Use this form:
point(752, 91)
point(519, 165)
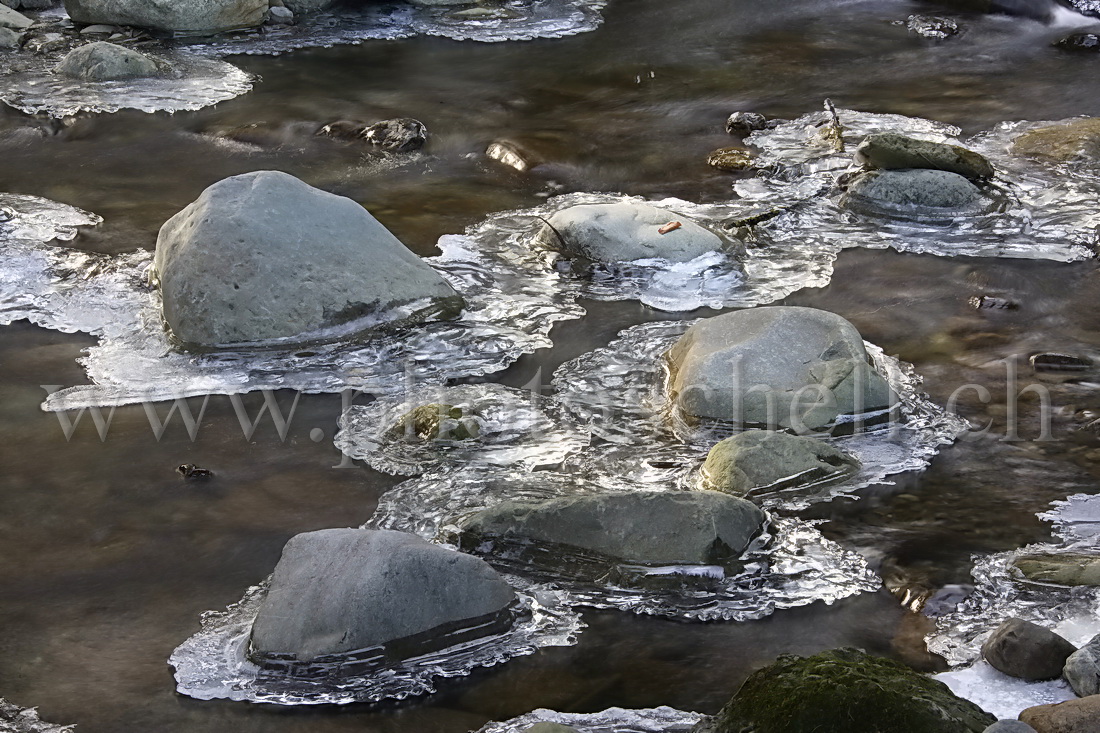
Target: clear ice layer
point(612, 720)
point(515, 428)
point(192, 82)
point(1002, 592)
point(1038, 211)
point(213, 664)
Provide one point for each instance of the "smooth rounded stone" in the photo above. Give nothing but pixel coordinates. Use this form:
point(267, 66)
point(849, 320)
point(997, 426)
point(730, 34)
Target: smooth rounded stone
point(743, 123)
point(645, 527)
point(1068, 569)
point(1079, 42)
point(179, 17)
point(1080, 138)
point(775, 366)
point(911, 191)
point(1074, 716)
point(730, 159)
point(299, 7)
point(1028, 651)
point(625, 232)
point(337, 591)
point(1009, 726)
point(94, 30)
point(844, 691)
point(890, 151)
point(1082, 670)
point(436, 422)
point(280, 15)
point(764, 459)
point(102, 61)
point(263, 256)
point(549, 728)
point(400, 135)
point(9, 38)
point(11, 19)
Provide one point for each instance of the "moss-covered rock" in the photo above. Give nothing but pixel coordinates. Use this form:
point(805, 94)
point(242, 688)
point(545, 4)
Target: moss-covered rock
point(436, 422)
point(889, 150)
point(1068, 569)
point(730, 159)
point(844, 691)
point(1080, 138)
point(758, 459)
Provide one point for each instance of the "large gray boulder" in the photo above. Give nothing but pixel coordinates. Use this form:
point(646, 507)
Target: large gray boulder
point(102, 61)
point(650, 528)
point(550, 728)
point(1082, 670)
point(916, 192)
point(778, 366)
point(343, 590)
point(758, 459)
point(625, 232)
point(1009, 726)
point(263, 256)
point(9, 38)
point(1028, 651)
point(889, 150)
point(1074, 716)
point(179, 17)
point(11, 19)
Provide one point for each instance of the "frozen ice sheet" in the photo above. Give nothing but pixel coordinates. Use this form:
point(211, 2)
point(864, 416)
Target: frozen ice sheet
point(612, 720)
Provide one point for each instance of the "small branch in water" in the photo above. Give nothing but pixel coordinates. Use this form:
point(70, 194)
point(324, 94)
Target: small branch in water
point(834, 133)
point(561, 239)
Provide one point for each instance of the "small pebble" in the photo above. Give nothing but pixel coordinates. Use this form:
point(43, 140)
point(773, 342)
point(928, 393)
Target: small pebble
point(191, 472)
point(1052, 362)
point(990, 302)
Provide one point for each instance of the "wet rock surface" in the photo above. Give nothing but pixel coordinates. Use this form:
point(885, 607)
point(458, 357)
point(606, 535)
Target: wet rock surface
point(1064, 569)
point(345, 590)
point(436, 422)
point(844, 691)
point(1082, 669)
point(102, 61)
point(1074, 716)
point(1009, 726)
point(743, 123)
point(730, 159)
point(933, 26)
point(265, 256)
point(651, 528)
point(184, 17)
point(891, 151)
point(912, 191)
point(759, 458)
point(1065, 142)
point(1022, 649)
point(777, 365)
point(13, 20)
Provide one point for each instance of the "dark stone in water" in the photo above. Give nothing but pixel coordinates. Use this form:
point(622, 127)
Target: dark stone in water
point(1028, 651)
point(1051, 362)
point(742, 123)
point(989, 302)
point(402, 135)
point(14, 719)
point(844, 691)
point(192, 472)
point(931, 26)
point(1080, 42)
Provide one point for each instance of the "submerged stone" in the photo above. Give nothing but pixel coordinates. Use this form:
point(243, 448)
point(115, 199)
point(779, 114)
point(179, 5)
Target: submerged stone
point(401, 135)
point(764, 459)
point(626, 232)
point(1028, 651)
point(263, 256)
point(102, 61)
point(775, 366)
point(912, 192)
point(182, 17)
point(436, 422)
point(1077, 139)
point(844, 691)
point(1064, 569)
point(890, 151)
point(650, 528)
point(730, 159)
point(1080, 42)
point(1082, 670)
point(1073, 716)
point(338, 591)
point(743, 123)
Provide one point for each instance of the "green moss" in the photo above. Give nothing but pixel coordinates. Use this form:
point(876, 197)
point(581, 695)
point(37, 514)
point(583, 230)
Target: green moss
point(426, 423)
point(845, 691)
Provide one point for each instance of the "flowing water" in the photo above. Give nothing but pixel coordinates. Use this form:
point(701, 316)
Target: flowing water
point(110, 558)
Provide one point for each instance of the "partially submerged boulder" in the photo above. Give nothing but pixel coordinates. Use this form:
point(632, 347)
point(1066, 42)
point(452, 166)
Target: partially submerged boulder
point(912, 192)
point(11, 19)
point(1064, 569)
point(890, 151)
point(844, 691)
point(338, 591)
point(102, 61)
point(9, 38)
point(1073, 716)
point(649, 528)
point(1082, 670)
point(758, 459)
point(775, 366)
point(1064, 142)
point(264, 257)
point(436, 422)
point(177, 17)
point(1009, 726)
point(1028, 651)
point(625, 232)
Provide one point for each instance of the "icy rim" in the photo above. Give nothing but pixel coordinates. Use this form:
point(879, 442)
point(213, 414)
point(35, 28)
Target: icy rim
point(212, 664)
point(612, 720)
point(1001, 593)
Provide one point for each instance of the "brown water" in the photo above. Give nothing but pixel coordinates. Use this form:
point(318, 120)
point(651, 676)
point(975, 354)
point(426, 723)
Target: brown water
point(108, 557)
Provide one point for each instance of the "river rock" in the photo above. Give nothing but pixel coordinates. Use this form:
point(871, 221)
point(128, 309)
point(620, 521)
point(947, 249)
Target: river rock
point(1079, 42)
point(1067, 569)
point(778, 365)
point(102, 61)
point(646, 527)
point(342, 590)
point(761, 458)
point(436, 422)
point(179, 17)
point(625, 232)
point(308, 6)
point(932, 26)
point(11, 19)
point(743, 123)
point(550, 728)
point(889, 150)
point(1077, 139)
point(1009, 726)
point(9, 38)
point(1073, 716)
point(1082, 670)
point(730, 159)
point(911, 191)
point(1028, 651)
point(844, 691)
point(280, 15)
point(263, 256)
point(401, 135)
